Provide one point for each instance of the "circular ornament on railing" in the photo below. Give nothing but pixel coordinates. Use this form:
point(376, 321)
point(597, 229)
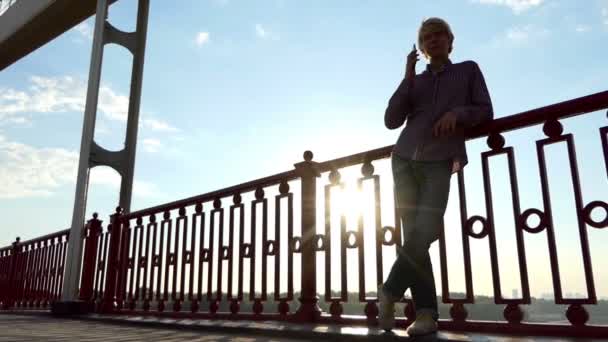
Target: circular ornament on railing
point(270, 248)
point(308, 156)
point(513, 314)
point(589, 209)
point(167, 215)
point(152, 218)
point(246, 249)
point(213, 306)
point(217, 203)
point(469, 227)
point(577, 315)
point(334, 177)
point(182, 211)
point(336, 309)
point(390, 241)
point(118, 210)
point(258, 307)
point(95, 216)
point(235, 306)
point(352, 240)
point(458, 312)
point(296, 245)
point(138, 221)
point(542, 221)
point(367, 169)
point(371, 311)
point(225, 253)
point(553, 129)
point(236, 199)
point(198, 208)
point(259, 193)
point(495, 141)
point(283, 307)
point(319, 241)
point(283, 187)
point(205, 255)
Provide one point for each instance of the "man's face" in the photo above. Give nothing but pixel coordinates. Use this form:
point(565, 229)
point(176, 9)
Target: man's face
point(436, 43)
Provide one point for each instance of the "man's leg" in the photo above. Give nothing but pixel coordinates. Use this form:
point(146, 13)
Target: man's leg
point(401, 276)
point(434, 180)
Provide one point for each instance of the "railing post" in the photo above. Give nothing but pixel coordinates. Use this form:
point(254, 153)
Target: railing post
point(109, 293)
point(308, 311)
point(11, 290)
point(92, 232)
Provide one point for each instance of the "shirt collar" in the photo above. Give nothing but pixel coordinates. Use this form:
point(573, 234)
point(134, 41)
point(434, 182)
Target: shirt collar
point(446, 66)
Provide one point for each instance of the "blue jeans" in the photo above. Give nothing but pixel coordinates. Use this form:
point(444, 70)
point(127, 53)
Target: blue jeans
point(421, 190)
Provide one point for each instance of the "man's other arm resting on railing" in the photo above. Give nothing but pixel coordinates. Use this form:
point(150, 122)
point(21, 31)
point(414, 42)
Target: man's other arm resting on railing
point(480, 109)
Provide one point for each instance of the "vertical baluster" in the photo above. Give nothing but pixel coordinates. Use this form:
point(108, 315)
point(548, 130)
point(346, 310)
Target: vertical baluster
point(92, 231)
point(48, 272)
point(576, 313)
point(139, 261)
point(198, 216)
point(186, 257)
point(179, 258)
point(283, 306)
point(154, 265)
point(174, 262)
point(53, 270)
point(258, 306)
point(202, 253)
point(168, 225)
point(214, 302)
point(223, 253)
point(336, 308)
point(308, 171)
point(98, 268)
point(234, 300)
point(146, 263)
point(112, 260)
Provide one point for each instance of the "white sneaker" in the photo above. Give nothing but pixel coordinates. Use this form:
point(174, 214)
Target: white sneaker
point(424, 324)
point(386, 310)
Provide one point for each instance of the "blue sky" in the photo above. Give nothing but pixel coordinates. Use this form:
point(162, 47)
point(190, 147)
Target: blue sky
point(237, 90)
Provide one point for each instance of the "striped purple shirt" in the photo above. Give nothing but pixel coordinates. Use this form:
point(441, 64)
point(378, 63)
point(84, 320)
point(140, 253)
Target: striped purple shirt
point(459, 88)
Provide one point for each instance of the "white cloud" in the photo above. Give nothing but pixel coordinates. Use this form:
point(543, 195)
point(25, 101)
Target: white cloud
point(158, 125)
point(582, 28)
point(260, 31)
point(66, 94)
point(517, 6)
point(202, 38)
point(28, 171)
point(524, 34)
point(85, 30)
point(264, 33)
point(151, 145)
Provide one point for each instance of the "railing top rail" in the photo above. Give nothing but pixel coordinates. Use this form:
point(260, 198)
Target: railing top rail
point(46, 237)
point(560, 110)
point(240, 188)
point(532, 117)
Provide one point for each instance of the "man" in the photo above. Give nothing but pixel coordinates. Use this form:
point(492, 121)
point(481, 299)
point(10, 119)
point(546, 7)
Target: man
point(438, 105)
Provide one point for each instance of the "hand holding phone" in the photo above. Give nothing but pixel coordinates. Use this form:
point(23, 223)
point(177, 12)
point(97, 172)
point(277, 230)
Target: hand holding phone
point(410, 67)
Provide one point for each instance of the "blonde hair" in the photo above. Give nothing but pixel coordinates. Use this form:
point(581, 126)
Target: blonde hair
point(434, 24)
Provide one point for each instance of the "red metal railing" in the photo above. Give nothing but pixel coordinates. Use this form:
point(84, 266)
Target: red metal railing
point(31, 272)
point(188, 258)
